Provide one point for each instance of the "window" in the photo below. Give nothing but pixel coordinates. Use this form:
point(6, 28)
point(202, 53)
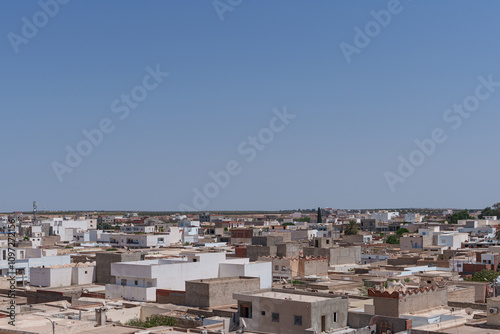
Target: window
point(283, 268)
point(297, 320)
point(85, 271)
point(275, 317)
point(263, 313)
point(136, 282)
point(124, 282)
point(334, 316)
point(276, 268)
point(246, 311)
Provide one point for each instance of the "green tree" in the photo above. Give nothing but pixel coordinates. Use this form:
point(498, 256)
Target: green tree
point(462, 215)
point(489, 211)
point(287, 224)
point(304, 219)
point(351, 229)
point(319, 219)
point(392, 239)
point(485, 276)
point(153, 321)
point(402, 231)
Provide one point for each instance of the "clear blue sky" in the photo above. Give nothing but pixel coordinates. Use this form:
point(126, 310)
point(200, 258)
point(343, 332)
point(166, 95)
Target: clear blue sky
point(353, 119)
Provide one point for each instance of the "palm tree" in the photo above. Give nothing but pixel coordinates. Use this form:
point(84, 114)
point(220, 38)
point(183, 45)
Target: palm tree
point(351, 229)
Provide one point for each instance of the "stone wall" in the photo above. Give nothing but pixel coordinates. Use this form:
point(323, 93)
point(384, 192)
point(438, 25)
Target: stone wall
point(256, 251)
point(360, 320)
point(404, 302)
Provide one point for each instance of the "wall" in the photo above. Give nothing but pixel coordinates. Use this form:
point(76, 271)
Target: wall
point(288, 250)
point(218, 291)
point(345, 255)
point(360, 320)
point(267, 240)
point(104, 260)
point(256, 251)
point(51, 277)
point(493, 319)
point(316, 266)
point(413, 300)
point(123, 315)
point(170, 297)
point(83, 275)
point(263, 270)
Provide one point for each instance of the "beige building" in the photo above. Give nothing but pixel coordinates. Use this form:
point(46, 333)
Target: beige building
point(415, 242)
point(290, 311)
point(291, 267)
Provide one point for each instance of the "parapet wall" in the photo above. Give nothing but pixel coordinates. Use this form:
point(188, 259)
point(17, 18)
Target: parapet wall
point(396, 303)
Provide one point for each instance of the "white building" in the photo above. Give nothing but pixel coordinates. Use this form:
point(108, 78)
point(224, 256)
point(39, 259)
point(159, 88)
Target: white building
point(137, 229)
point(413, 218)
point(138, 280)
point(23, 266)
point(384, 215)
point(63, 275)
point(452, 240)
point(189, 231)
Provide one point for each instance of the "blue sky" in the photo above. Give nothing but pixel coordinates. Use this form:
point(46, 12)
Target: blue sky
point(353, 120)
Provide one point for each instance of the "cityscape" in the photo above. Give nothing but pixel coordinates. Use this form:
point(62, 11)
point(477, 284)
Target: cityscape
point(260, 167)
point(321, 270)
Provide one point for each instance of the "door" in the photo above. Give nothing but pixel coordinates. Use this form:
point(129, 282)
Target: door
point(323, 325)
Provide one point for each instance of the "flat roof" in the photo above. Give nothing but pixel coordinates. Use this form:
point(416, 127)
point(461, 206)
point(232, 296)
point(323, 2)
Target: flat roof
point(290, 296)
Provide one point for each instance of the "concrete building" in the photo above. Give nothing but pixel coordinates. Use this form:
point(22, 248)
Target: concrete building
point(215, 292)
point(23, 266)
point(452, 240)
point(413, 218)
point(105, 259)
point(415, 242)
point(384, 216)
point(293, 267)
point(129, 228)
point(303, 234)
point(291, 312)
point(336, 255)
point(138, 280)
point(189, 231)
point(141, 240)
point(65, 275)
point(204, 217)
point(241, 236)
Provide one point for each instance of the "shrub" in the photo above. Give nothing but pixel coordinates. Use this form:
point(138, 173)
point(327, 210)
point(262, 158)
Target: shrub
point(153, 321)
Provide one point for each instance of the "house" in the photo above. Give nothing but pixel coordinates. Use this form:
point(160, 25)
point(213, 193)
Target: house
point(415, 242)
point(63, 275)
point(452, 240)
point(138, 280)
point(290, 311)
point(291, 267)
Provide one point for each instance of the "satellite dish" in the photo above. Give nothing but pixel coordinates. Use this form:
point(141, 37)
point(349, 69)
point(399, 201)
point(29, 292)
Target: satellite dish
point(468, 311)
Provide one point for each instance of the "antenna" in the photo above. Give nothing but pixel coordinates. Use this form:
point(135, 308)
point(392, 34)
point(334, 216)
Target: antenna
point(35, 206)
